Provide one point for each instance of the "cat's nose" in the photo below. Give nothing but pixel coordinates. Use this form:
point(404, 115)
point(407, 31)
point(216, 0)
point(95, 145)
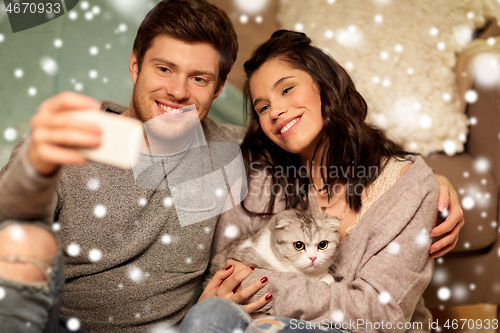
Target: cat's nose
point(313, 258)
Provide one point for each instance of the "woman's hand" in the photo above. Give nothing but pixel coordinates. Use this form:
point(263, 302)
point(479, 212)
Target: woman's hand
point(448, 204)
point(226, 284)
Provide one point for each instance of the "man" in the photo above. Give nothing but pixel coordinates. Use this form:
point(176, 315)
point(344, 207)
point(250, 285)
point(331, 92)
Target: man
point(129, 266)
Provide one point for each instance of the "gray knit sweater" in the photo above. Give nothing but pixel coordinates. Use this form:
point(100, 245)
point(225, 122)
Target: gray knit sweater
point(149, 266)
point(382, 268)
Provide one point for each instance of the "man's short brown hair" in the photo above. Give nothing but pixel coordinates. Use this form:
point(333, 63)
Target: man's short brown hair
point(190, 21)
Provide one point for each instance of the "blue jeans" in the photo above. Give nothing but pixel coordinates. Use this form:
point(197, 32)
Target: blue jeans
point(33, 308)
point(217, 315)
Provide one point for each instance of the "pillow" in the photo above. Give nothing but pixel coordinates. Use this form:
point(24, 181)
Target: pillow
point(401, 55)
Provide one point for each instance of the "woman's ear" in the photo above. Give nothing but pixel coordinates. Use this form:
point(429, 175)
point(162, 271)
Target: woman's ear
point(133, 67)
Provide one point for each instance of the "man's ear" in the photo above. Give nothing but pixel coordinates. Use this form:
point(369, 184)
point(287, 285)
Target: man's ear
point(219, 90)
point(133, 67)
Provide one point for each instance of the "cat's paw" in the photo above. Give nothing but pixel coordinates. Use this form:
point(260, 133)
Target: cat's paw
point(327, 278)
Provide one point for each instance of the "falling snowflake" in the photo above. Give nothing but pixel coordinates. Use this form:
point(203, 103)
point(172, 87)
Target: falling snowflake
point(440, 276)
point(386, 82)
point(18, 73)
point(473, 121)
point(100, 211)
point(10, 134)
point(471, 96)
point(330, 1)
point(166, 239)
point(472, 286)
point(96, 10)
point(89, 16)
point(84, 5)
point(122, 27)
point(470, 15)
point(32, 91)
point(95, 255)
point(94, 50)
point(78, 87)
point(73, 324)
point(337, 316)
point(251, 7)
point(434, 31)
point(384, 55)
point(73, 15)
point(441, 46)
point(168, 202)
point(93, 184)
point(450, 147)
point(410, 71)
point(422, 239)
point(58, 43)
point(2, 293)
point(468, 203)
point(444, 214)
point(243, 19)
point(447, 97)
point(425, 121)
point(444, 293)
point(393, 247)
point(189, 260)
point(460, 292)
point(56, 227)
point(93, 74)
point(384, 297)
point(201, 246)
point(299, 26)
point(231, 231)
point(207, 230)
point(237, 330)
point(142, 202)
point(481, 165)
point(135, 274)
point(467, 245)
point(398, 48)
point(219, 192)
point(49, 65)
point(138, 315)
point(120, 286)
point(258, 19)
point(484, 215)
point(379, 18)
point(73, 250)
point(2, 38)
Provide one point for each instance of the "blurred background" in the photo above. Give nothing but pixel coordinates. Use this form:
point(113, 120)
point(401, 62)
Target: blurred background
point(429, 70)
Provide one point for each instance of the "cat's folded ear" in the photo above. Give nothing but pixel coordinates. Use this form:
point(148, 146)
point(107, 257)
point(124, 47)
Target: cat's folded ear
point(283, 223)
point(333, 222)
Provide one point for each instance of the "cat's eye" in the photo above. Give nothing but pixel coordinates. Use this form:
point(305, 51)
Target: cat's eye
point(299, 246)
point(323, 245)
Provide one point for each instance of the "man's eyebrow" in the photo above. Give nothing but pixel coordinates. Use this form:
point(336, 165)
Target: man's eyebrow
point(195, 73)
point(274, 87)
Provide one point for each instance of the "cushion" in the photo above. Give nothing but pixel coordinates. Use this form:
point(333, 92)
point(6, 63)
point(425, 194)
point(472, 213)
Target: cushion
point(401, 56)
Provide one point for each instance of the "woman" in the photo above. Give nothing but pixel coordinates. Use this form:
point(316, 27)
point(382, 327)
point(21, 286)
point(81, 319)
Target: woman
point(307, 116)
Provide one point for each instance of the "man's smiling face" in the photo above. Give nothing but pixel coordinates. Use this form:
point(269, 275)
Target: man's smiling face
point(174, 74)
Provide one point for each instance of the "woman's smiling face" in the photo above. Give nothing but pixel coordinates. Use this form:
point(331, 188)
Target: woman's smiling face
point(288, 103)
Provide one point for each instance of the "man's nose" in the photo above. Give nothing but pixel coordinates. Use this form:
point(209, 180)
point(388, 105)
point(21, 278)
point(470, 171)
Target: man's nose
point(178, 88)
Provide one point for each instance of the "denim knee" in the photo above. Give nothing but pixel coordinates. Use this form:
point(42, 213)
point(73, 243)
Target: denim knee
point(32, 307)
point(215, 314)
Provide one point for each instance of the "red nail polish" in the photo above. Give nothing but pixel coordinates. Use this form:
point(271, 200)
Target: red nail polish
point(229, 267)
point(268, 297)
point(263, 280)
point(252, 268)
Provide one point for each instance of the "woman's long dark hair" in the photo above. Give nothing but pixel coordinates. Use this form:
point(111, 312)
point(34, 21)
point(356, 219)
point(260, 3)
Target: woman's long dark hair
point(350, 144)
